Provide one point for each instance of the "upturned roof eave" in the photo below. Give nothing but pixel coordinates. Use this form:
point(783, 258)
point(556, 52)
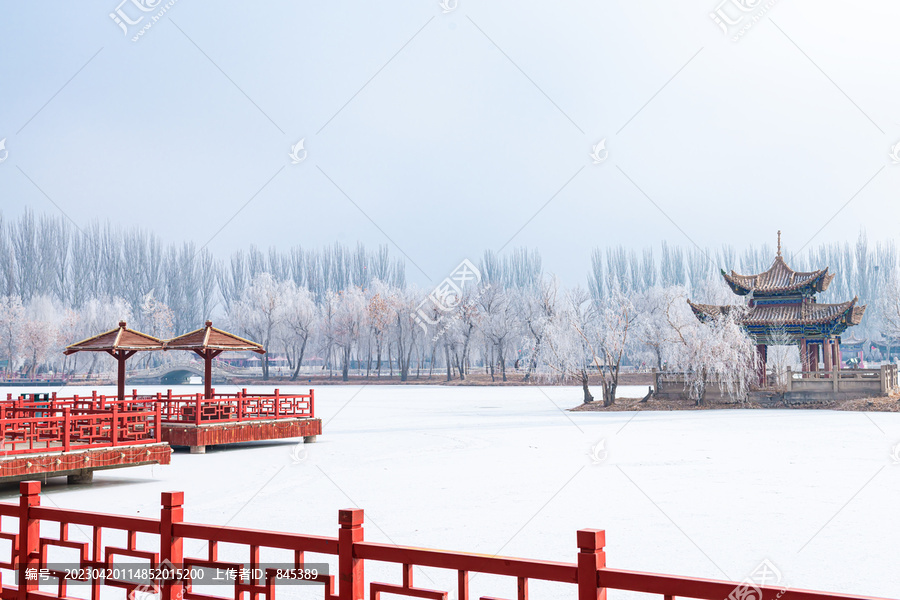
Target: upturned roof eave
point(242, 345)
point(85, 344)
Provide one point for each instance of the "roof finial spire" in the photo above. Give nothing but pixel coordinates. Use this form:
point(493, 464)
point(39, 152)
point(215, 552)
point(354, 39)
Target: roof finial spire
point(779, 242)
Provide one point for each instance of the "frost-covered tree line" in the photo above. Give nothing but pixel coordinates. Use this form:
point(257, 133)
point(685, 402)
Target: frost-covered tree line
point(348, 311)
point(60, 283)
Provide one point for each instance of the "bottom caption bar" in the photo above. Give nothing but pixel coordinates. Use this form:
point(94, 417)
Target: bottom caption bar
point(142, 574)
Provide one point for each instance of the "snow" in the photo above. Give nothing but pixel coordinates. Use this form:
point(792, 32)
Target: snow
point(503, 469)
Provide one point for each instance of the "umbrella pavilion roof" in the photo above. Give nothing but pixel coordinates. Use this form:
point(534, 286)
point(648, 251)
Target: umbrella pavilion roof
point(117, 339)
point(210, 338)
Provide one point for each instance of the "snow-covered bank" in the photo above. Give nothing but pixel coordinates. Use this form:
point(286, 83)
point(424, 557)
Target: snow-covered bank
point(703, 493)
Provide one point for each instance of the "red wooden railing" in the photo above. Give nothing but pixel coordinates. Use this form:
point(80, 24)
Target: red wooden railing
point(28, 550)
point(189, 408)
point(62, 429)
point(240, 406)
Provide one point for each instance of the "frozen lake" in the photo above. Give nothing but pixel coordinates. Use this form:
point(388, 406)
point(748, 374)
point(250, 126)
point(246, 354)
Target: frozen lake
point(505, 470)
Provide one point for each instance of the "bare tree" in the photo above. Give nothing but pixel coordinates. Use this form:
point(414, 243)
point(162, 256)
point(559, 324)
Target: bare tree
point(566, 353)
point(610, 337)
point(406, 332)
point(259, 313)
point(12, 319)
point(499, 323)
point(300, 317)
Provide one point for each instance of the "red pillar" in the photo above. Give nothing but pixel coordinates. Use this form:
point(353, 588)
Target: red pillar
point(836, 347)
point(207, 373)
point(350, 569)
point(171, 547)
point(591, 557)
point(827, 353)
point(29, 536)
point(120, 356)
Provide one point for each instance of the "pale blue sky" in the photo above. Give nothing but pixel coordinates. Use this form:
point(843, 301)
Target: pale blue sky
point(454, 143)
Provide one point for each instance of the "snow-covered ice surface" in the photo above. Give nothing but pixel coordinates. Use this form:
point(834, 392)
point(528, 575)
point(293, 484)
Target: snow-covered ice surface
point(506, 470)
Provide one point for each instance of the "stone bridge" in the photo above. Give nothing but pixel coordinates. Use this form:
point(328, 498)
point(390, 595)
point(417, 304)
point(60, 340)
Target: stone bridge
point(179, 372)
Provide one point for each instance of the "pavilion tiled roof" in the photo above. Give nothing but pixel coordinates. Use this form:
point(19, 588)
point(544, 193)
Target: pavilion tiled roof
point(789, 314)
point(120, 338)
point(210, 338)
point(779, 278)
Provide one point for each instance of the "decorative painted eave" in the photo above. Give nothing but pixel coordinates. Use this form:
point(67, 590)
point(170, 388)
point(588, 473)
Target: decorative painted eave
point(775, 315)
point(778, 279)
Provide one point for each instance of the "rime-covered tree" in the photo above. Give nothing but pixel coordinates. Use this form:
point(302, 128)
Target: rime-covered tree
point(716, 351)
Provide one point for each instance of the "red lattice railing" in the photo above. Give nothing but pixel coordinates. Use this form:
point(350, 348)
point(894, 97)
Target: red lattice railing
point(240, 406)
point(186, 408)
point(164, 539)
point(62, 429)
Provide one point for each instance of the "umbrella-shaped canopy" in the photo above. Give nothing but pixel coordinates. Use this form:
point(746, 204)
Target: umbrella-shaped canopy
point(210, 342)
point(121, 343)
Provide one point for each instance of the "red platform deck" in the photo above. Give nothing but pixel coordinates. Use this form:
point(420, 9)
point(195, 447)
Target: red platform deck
point(200, 436)
point(197, 421)
point(79, 465)
point(162, 544)
point(51, 441)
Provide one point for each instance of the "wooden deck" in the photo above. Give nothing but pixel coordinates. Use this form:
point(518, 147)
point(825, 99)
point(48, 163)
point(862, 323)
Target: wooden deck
point(79, 465)
point(197, 437)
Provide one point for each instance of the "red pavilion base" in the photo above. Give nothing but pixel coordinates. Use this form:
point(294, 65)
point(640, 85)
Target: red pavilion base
point(200, 436)
point(79, 465)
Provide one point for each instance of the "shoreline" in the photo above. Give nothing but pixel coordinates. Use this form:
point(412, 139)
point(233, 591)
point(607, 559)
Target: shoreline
point(873, 404)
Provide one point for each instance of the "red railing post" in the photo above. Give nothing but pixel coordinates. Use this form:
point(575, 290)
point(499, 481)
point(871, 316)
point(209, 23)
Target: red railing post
point(197, 415)
point(312, 405)
point(114, 426)
point(591, 557)
point(276, 403)
point(350, 568)
point(158, 421)
point(67, 441)
point(171, 547)
point(29, 536)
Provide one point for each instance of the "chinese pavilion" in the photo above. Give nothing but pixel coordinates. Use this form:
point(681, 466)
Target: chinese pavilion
point(782, 304)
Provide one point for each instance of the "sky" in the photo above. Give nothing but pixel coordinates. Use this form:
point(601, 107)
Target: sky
point(447, 129)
